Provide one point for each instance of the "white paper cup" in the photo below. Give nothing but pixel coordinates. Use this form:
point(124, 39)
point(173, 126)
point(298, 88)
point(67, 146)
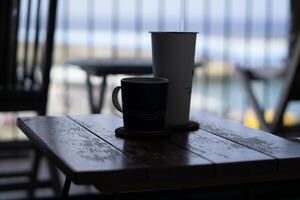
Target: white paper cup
point(173, 58)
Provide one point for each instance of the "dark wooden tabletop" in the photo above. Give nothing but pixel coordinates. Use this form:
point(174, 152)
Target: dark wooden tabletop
point(222, 152)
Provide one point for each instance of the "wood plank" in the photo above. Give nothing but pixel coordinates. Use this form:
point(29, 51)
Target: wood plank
point(82, 156)
point(286, 152)
point(165, 161)
point(231, 159)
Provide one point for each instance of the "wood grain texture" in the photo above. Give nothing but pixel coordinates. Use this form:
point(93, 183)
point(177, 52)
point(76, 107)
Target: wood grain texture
point(78, 153)
point(287, 153)
point(230, 158)
point(220, 153)
point(163, 159)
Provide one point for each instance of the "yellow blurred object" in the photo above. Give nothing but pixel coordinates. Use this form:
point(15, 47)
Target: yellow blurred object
point(251, 121)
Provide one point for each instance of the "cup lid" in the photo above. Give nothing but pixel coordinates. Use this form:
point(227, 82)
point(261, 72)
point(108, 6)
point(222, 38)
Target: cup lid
point(143, 80)
point(173, 32)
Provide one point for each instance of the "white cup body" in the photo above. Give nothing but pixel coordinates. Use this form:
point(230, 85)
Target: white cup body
point(173, 58)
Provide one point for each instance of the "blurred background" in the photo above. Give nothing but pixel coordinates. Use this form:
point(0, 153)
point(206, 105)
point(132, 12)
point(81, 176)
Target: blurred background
point(231, 33)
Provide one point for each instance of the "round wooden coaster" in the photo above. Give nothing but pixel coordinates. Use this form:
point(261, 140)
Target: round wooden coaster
point(123, 133)
point(190, 126)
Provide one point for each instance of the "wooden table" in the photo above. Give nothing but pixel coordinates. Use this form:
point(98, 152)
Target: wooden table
point(222, 152)
point(112, 66)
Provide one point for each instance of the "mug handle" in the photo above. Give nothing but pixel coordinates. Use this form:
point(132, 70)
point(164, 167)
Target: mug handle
point(115, 98)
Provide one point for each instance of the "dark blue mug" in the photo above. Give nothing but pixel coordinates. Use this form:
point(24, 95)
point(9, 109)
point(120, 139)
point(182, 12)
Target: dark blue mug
point(144, 103)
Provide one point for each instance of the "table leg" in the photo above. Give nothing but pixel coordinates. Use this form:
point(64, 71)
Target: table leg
point(34, 172)
point(102, 93)
point(54, 176)
point(66, 188)
point(90, 94)
point(96, 106)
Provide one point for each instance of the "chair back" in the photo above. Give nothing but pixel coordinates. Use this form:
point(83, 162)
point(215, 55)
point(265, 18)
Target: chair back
point(290, 89)
point(4, 26)
point(26, 40)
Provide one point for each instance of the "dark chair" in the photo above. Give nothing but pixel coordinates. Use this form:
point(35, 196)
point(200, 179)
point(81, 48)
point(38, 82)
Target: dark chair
point(289, 92)
point(26, 41)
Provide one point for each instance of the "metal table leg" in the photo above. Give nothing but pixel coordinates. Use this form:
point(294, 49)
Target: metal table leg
point(96, 106)
point(102, 93)
point(90, 88)
point(34, 172)
point(66, 188)
point(54, 176)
